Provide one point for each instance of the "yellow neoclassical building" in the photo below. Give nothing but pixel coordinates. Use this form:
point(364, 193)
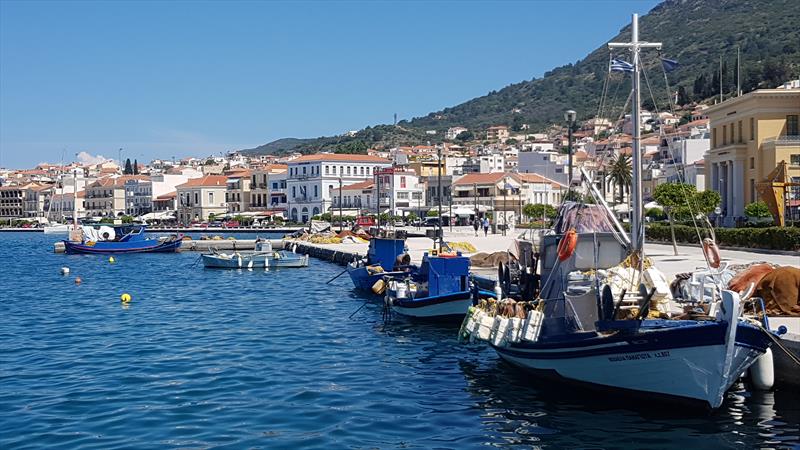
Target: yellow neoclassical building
point(750, 135)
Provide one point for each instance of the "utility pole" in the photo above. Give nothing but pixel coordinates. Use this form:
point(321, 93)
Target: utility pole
point(439, 193)
point(569, 116)
point(340, 205)
point(475, 193)
point(505, 205)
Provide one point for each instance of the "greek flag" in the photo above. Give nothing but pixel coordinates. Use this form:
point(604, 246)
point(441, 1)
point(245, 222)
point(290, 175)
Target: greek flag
point(669, 64)
point(618, 65)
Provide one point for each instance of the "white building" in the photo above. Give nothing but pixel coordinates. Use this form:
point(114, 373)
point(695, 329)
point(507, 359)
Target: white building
point(453, 132)
point(311, 180)
point(545, 163)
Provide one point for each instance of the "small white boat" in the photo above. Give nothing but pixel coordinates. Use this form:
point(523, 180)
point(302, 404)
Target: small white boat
point(263, 257)
point(57, 228)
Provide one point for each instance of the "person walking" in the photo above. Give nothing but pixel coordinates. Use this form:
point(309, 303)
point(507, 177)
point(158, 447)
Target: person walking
point(476, 225)
point(485, 226)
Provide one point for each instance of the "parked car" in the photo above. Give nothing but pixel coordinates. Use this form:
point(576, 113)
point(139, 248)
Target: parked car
point(431, 222)
point(232, 224)
point(399, 223)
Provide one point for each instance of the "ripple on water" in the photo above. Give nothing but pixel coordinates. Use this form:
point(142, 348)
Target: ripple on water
point(240, 359)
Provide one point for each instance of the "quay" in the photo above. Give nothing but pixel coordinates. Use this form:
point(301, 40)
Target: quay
point(206, 245)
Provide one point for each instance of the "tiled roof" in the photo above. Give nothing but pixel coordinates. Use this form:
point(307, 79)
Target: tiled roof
point(340, 157)
point(118, 181)
point(484, 178)
point(167, 196)
point(536, 178)
point(360, 185)
point(206, 181)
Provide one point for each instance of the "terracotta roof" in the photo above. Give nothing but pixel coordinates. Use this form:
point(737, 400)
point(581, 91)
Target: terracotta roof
point(167, 196)
point(484, 178)
point(206, 181)
point(360, 185)
point(340, 157)
point(536, 178)
point(118, 181)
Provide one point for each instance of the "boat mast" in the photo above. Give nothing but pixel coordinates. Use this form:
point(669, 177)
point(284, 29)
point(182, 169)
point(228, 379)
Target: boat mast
point(637, 222)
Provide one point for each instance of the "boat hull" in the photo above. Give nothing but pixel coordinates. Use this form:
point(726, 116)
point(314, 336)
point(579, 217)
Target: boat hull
point(57, 229)
point(446, 307)
point(690, 363)
point(364, 281)
point(261, 261)
point(139, 246)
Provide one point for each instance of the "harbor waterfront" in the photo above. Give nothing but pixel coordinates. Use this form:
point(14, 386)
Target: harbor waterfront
point(273, 358)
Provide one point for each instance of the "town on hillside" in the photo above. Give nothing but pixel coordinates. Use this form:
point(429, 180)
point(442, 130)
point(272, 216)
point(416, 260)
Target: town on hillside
point(746, 149)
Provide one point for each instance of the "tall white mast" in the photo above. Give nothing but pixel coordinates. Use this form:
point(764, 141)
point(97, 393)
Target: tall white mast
point(637, 216)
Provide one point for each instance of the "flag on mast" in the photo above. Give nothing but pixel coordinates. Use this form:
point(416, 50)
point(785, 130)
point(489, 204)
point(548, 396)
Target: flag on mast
point(618, 65)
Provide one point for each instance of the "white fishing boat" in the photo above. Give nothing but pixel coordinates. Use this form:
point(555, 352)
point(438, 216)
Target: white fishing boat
point(603, 317)
point(263, 258)
point(57, 228)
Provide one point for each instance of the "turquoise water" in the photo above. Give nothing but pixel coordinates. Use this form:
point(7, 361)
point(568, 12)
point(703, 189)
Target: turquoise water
point(237, 359)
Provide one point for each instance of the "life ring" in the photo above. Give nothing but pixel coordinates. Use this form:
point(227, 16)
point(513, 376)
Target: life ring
point(567, 245)
point(711, 252)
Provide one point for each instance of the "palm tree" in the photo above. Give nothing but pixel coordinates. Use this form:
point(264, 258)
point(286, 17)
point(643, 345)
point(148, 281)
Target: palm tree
point(621, 174)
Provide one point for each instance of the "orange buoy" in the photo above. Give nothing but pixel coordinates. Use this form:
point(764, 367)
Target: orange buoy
point(711, 252)
point(567, 245)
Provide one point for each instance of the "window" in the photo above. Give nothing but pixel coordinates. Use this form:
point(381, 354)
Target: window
point(348, 170)
point(740, 131)
point(752, 163)
point(294, 191)
point(724, 135)
point(304, 170)
point(327, 170)
point(714, 138)
point(315, 191)
point(210, 198)
point(402, 182)
point(752, 128)
point(752, 190)
point(792, 126)
point(334, 170)
point(794, 160)
point(402, 195)
point(732, 139)
point(361, 170)
point(196, 198)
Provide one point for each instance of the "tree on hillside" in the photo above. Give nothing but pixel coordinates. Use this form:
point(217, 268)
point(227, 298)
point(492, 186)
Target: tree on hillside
point(621, 174)
point(465, 136)
point(683, 97)
point(128, 168)
point(135, 167)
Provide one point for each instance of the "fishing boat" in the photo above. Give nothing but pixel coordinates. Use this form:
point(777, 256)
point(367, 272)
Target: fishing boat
point(108, 239)
point(262, 257)
point(384, 258)
point(603, 318)
point(57, 228)
point(439, 290)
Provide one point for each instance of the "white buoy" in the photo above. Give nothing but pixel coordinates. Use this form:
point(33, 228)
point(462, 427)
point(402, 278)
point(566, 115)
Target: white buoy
point(65, 271)
point(762, 372)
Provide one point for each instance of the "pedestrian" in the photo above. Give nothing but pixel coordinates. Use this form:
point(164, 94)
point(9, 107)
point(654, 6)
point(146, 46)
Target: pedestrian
point(485, 226)
point(476, 225)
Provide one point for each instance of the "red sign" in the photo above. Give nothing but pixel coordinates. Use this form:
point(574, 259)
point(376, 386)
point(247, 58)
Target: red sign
point(387, 171)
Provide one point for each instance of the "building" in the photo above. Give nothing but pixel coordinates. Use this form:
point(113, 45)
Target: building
point(497, 133)
point(750, 135)
point(356, 199)
point(499, 193)
point(268, 188)
point(114, 196)
point(548, 164)
point(37, 199)
point(311, 180)
point(237, 195)
point(400, 191)
point(199, 198)
point(453, 132)
point(537, 189)
point(11, 202)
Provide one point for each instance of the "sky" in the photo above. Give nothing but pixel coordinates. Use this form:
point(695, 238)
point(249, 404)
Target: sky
point(180, 78)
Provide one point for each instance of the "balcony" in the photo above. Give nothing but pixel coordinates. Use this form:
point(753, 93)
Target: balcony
point(783, 140)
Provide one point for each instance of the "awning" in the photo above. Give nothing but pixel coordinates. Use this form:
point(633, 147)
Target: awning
point(158, 215)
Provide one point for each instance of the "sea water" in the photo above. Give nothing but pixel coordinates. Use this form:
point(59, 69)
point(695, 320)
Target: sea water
point(203, 358)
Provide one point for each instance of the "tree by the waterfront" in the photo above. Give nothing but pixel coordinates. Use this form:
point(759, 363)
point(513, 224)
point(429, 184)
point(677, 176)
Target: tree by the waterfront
point(538, 210)
point(621, 174)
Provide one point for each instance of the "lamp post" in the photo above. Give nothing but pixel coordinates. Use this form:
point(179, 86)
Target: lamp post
point(569, 117)
point(340, 204)
point(505, 205)
point(439, 193)
point(475, 193)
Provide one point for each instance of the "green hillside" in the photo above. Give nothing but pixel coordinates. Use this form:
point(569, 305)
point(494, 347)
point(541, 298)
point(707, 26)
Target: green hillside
point(696, 33)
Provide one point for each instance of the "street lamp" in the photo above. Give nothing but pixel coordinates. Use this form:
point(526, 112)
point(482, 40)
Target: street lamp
point(505, 205)
point(569, 117)
point(340, 205)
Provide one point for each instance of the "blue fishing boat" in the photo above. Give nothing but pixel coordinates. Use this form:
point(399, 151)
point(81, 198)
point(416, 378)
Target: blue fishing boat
point(382, 260)
point(108, 239)
point(439, 290)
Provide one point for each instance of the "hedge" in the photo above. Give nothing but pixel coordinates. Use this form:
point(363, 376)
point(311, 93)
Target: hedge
point(772, 238)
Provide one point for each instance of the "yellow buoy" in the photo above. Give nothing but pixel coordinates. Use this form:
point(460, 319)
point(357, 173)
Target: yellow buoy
point(125, 297)
point(111, 259)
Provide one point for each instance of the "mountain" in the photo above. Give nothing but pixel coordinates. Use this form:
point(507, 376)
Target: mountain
point(696, 33)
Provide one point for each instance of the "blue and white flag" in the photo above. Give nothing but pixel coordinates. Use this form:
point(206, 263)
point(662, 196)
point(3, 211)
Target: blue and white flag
point(618, 65)
point(669, 64)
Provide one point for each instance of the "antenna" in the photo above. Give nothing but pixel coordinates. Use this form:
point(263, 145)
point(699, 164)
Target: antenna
point(738, 72)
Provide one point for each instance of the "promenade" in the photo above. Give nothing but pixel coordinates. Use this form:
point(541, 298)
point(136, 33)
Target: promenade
point(689, 257)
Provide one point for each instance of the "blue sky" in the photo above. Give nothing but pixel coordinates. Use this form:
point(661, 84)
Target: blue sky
point(163, 79)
